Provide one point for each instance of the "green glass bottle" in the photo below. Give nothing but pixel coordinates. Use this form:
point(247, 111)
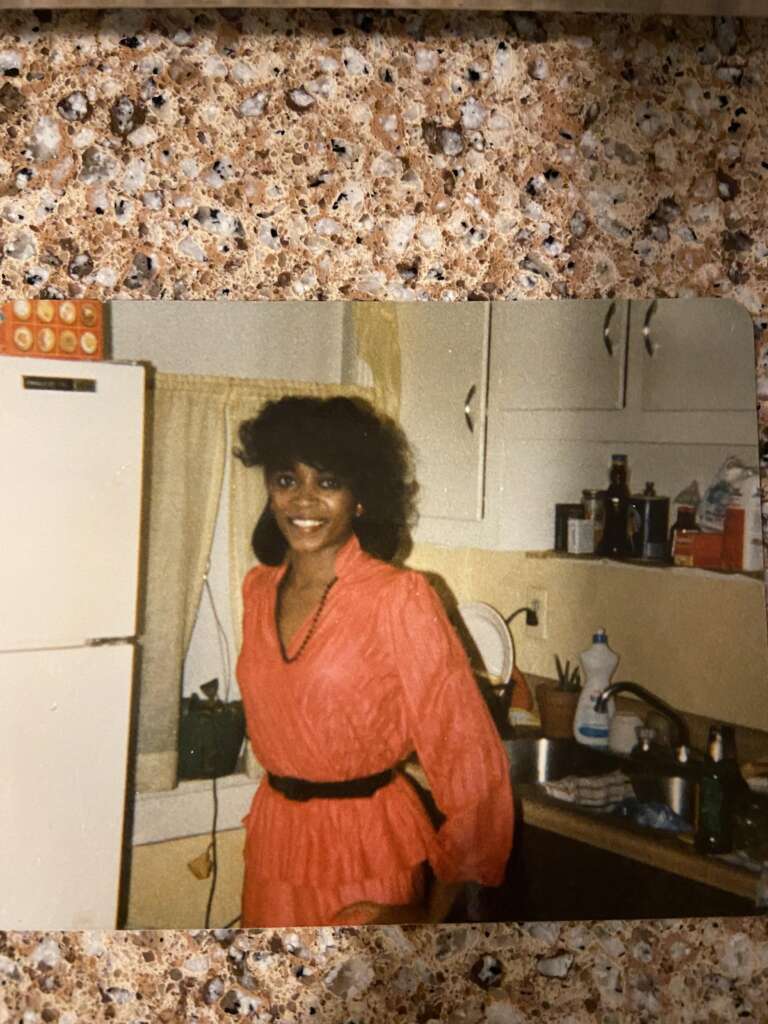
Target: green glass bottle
point(714, 832)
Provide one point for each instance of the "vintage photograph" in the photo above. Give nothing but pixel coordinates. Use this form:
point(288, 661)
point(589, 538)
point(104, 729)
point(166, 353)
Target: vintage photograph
point(367, 613)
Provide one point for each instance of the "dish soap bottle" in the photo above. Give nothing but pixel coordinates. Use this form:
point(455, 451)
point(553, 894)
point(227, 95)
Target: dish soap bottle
point(598, 664)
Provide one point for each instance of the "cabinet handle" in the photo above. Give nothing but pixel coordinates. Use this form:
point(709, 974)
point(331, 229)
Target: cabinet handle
point(607, 328)
point(468, 408)
point(647, 327)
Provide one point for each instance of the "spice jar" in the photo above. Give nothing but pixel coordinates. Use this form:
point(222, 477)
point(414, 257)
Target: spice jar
point(594, 509)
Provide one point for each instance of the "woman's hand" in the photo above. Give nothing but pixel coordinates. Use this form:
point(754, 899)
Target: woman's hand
point(382, 913)
point(442, 896)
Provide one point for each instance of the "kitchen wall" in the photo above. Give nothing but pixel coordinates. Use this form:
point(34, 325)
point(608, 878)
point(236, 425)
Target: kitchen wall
point(697, 639)
point(166, 894)
point(245, 154)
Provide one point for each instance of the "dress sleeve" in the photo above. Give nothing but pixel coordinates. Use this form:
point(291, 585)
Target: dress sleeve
point(455, 738)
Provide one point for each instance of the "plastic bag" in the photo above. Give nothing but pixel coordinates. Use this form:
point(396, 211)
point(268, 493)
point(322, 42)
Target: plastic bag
point(724, 490)
point(651, 814)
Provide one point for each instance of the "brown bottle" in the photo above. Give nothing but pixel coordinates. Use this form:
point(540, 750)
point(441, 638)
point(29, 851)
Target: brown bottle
point(615, 542)
point(686, 520)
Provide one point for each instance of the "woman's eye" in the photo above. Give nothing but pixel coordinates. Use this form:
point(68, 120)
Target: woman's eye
point(283, 479)
point(330, 483)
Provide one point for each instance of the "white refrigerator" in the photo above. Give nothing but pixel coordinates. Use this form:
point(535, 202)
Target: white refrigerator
point(71, 447)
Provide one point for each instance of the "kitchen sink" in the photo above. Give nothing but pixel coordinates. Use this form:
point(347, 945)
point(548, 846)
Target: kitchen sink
point(676, 791)
point(537, 760)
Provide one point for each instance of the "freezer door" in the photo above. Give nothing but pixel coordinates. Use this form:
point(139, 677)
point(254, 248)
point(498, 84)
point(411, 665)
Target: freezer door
point(71, 439)
point(64, 723)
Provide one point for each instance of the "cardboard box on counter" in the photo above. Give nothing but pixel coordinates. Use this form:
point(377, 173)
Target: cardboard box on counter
point(708, 550)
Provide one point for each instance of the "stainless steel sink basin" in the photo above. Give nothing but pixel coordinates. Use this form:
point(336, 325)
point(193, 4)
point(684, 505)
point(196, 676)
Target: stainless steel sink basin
point(537, 759)
point(676, 791)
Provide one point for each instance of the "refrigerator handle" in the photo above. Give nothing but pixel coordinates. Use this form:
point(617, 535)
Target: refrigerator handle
point(107, 641)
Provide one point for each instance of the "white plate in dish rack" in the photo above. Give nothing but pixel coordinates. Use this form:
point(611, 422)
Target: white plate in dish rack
point(491, 637)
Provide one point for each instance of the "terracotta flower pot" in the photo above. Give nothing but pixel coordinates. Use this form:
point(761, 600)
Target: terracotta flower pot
point(556, 710)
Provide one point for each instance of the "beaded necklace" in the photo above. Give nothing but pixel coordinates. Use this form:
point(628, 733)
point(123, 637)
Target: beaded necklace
point(312, 626)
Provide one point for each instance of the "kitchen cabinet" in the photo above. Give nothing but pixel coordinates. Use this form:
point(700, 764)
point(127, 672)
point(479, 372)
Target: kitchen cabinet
point(444, 370)
point(683, 353)
point(553, 878)
point(683, 403)
point(559, 355)
point(512, 407)
point(672, 355)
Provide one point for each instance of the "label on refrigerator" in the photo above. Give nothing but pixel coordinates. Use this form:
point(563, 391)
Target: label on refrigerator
point(38, 383)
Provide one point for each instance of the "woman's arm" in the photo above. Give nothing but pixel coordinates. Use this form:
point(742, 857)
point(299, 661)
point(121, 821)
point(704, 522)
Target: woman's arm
point(442, 896)
point(458, 748)
point(454, 736)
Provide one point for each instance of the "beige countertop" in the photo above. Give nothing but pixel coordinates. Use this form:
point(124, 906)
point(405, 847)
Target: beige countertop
point(666, 851)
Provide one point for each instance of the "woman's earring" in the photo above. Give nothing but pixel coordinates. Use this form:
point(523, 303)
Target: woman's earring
point(359, 510)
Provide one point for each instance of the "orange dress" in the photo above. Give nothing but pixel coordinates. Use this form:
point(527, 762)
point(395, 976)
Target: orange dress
point(383, 674)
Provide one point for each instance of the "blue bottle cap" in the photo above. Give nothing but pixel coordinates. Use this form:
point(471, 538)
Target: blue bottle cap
point(600, 637)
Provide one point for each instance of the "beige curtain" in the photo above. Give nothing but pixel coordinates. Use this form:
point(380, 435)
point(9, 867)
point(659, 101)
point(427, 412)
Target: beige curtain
point(376, 338)
point(186, 467)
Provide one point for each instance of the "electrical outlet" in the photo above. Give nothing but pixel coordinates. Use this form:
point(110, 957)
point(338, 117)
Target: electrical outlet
point(537, 599)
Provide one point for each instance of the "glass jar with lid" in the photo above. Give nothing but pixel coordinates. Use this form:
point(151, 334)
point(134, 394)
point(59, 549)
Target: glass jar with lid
point(594, 509)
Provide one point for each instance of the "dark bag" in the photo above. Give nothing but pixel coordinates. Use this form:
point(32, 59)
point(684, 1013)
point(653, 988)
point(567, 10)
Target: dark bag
point(210, 737)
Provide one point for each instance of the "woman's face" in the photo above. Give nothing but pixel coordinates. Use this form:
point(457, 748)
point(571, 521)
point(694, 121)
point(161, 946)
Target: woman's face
point(312, 508)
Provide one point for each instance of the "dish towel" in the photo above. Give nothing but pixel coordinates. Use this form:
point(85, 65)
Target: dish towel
point(602, 792)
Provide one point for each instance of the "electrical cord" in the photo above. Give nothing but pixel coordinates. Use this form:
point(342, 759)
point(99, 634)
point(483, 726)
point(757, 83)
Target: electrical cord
point(221, 636)
point(213, 852)
point(226, 663)
point(531, 618)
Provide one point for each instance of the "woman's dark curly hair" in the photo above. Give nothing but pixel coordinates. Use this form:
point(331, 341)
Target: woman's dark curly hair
point(345, 436)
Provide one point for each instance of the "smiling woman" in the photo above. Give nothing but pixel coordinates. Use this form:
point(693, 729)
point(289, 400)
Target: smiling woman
point(314, 512)
point(349, 666)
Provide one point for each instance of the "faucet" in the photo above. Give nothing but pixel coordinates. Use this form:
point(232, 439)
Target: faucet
point(656, 702)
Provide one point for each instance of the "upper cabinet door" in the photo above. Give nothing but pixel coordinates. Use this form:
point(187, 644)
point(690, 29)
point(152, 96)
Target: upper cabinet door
point(559, 355)
point(693, 354)
point(444, 349)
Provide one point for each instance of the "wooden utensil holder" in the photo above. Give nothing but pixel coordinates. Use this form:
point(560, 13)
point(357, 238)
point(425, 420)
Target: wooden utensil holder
point(556, 710)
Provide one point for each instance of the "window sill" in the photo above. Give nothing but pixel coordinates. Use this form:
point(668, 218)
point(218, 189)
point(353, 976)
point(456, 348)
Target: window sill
point(188, 809)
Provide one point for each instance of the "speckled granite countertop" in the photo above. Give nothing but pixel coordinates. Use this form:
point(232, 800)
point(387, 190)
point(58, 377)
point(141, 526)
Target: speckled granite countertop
point(681, 971)
point(310, 155)
point(391, 155)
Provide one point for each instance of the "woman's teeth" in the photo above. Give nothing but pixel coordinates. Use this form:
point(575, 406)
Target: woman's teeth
point(306, 524)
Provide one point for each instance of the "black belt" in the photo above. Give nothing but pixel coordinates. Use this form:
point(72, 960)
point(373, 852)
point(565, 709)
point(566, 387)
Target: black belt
point(303, 789)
